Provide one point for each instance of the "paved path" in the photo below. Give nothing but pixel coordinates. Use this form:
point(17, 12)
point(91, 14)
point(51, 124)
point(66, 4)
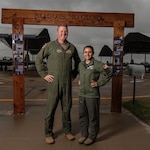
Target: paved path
point(35, 88)
point(118, 131)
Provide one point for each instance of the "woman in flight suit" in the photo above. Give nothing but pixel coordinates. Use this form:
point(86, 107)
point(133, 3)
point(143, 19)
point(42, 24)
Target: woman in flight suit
point(89, 94)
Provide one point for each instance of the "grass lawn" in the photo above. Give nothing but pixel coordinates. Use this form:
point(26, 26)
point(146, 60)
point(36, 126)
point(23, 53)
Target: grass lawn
point(140, 108)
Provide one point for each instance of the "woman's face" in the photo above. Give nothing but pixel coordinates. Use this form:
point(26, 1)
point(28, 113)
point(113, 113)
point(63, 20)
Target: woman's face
point(87, 53)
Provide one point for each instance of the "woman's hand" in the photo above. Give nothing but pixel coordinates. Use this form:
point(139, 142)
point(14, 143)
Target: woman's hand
point(93, 84)
point(105, 66)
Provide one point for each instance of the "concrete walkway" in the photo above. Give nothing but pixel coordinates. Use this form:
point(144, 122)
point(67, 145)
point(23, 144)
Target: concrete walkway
point(118, 131)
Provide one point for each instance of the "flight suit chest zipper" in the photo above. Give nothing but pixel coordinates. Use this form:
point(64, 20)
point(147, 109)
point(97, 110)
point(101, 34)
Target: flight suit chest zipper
point(85, 81)
point(63, 67)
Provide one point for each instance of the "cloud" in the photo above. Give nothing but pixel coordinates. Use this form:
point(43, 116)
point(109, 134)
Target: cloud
point(97, 36)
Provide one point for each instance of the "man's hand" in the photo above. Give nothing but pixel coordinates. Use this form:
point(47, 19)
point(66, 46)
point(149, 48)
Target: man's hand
point(49, 78)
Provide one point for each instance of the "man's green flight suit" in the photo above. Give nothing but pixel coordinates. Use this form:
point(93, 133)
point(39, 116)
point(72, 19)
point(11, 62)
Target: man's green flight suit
point(59, 64)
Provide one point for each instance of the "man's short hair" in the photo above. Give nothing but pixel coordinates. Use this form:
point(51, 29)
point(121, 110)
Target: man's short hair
point(64, 25)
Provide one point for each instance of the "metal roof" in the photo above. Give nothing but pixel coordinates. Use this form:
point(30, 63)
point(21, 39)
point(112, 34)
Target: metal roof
point(136, 42)
point(105, 51)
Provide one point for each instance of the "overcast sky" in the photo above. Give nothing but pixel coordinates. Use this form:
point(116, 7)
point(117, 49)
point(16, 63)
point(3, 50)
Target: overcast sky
point(81, 36)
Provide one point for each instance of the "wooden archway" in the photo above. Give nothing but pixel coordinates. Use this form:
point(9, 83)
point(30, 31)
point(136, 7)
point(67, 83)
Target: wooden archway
point(19, 17)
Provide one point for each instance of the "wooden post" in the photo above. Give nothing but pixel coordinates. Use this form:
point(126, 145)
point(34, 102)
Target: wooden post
point(18, 76)
point(116, 102)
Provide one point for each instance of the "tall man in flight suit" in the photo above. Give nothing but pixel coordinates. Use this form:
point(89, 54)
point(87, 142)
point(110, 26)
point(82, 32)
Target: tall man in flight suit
point(59, 75)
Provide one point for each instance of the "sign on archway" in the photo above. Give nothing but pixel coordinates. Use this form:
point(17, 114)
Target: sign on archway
point(19, 17)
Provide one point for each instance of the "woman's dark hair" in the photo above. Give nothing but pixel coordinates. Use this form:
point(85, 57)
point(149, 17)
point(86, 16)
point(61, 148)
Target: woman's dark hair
point(89, 46)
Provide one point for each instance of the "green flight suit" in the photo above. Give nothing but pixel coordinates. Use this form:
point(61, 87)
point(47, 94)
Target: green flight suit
point(89, 97)
point(59, 64)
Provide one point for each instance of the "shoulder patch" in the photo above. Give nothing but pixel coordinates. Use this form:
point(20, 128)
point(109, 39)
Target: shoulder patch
point(59, 51)
point(44, 45)
point(68, 51)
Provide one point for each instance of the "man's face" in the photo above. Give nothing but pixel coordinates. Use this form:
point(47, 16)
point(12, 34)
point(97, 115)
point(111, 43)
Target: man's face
point(62, 33)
